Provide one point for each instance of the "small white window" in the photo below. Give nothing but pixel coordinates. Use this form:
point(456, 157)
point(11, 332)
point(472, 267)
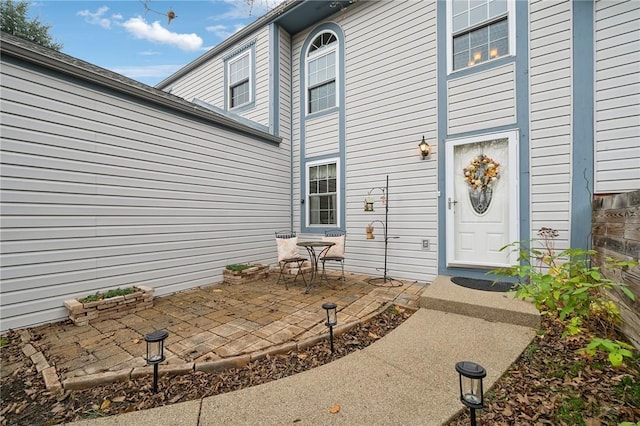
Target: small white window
point(239, 72)
point(479, 31)
point(322, 193)
point(321, 73)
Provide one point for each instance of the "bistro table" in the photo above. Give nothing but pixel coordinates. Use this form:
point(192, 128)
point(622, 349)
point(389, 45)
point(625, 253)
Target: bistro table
point(311, 246)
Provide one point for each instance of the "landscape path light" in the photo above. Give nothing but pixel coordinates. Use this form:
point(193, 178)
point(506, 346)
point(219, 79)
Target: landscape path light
point(470, 379)
point(155, 352)
point(332, 319)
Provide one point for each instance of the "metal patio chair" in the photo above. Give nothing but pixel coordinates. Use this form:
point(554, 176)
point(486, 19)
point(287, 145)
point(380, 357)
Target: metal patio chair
point(286, 243)
point(335, 253)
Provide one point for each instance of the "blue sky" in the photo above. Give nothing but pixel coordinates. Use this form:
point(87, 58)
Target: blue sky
point(138, 42)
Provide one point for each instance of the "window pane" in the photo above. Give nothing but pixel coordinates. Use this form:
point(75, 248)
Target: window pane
point(460, 21)
point(478, 37)
point(240, 94)
point(497, 7)
point(460, 43)
point(239, 69)
point(499, 48)
point(498, 30)
point(478, 15)
point(322, 97)
point(461, 60)
point(481, 45)
point(322, 202)
point(460, 6)
point(469, 13)
point(331, 59)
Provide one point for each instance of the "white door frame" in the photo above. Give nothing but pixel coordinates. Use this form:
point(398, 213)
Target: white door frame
point(513, 185)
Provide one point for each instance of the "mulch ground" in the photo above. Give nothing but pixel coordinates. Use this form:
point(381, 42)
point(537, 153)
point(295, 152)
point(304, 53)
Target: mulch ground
point(549, 384)
point(25, 400)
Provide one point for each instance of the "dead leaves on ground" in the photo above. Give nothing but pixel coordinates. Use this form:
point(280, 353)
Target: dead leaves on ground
point(550, 379)
point(25, 392)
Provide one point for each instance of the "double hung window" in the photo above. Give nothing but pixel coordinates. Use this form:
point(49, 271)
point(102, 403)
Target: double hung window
point(321, 73)
point(239, 77)
point(322, 185)
point(480, 30)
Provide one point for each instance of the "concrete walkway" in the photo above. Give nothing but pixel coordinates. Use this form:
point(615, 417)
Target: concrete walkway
point(406, 378)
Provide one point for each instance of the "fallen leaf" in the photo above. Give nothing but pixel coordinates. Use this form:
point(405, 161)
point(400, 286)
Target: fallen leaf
point(373, 335)
point(136, 341)
point(302, 356)
point(507, 411)
point(119, 399)
point(335, 409)
point(592, 422)
point(105, 404)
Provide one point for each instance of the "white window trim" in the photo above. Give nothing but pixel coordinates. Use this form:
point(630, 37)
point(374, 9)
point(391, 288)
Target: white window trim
point(228, 82)
point(321, 52)
point(511, 21)
point(307, 203)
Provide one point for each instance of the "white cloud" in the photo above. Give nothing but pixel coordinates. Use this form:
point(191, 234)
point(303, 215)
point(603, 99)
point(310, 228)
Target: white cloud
point(241, 9)
point(156, 33)
point(150, 53)
point(152, 71)
point(223, 31)
point(98, 17)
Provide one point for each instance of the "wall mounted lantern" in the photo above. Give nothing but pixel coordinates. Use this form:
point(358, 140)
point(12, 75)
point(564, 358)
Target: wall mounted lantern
point(425, 149)
point(332, 319)
point(155, 352)
point(470, 379)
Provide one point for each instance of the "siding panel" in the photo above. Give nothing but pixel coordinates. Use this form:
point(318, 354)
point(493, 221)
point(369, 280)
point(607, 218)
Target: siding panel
point(100, 190)
point(617, 99)
point(480, 98)
point(550, 88)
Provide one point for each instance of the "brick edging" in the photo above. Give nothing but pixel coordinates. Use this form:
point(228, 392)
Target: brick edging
point(91, 380)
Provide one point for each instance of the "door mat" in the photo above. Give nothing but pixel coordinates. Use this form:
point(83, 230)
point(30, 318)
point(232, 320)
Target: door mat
point(485, 285)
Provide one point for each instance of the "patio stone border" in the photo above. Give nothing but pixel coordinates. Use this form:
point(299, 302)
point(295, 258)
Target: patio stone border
point(111, 308)
point(52, 381)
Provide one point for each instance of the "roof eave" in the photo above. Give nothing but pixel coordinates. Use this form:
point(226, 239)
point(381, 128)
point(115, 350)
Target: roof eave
point(133, 88)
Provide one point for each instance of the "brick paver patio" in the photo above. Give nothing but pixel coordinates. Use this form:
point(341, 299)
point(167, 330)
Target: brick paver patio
point(215, 322)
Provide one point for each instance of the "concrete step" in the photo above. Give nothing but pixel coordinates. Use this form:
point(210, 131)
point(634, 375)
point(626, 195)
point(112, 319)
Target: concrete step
point(444, 295)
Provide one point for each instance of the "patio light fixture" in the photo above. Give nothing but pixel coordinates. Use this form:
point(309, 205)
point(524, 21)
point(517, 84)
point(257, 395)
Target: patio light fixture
point(155, 352)
point(332, 319)
point(425, 149)
point(470, 379)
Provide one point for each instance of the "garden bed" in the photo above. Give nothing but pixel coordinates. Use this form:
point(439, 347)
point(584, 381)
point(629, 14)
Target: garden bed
point(111, 307)
point(244, 272)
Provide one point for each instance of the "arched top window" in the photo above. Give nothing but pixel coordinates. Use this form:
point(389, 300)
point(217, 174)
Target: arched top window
point(322, 69)
point(324, 39)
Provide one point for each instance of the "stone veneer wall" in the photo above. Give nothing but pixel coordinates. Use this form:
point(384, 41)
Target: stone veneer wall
point(616, 233)
point(111, 308)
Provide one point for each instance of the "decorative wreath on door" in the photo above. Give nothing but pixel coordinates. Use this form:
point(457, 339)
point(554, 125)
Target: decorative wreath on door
point(481, 174)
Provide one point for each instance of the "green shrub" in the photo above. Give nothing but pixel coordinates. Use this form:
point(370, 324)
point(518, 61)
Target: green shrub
point(238, 267)
point(567, 286)
point(108, 294)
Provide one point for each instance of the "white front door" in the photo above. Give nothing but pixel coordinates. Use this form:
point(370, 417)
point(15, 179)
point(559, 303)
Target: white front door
point(482, 200)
